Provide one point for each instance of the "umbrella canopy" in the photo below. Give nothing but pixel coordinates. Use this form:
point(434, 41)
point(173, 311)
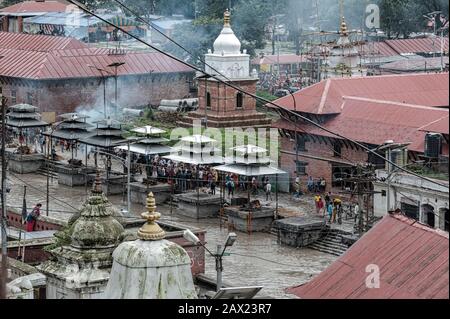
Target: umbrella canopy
point(197, 159)
point(249, 170)
point(146, 149)
point(148, 130)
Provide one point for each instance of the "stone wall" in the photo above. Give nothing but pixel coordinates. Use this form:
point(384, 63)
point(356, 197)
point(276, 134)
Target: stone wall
point(67, 95)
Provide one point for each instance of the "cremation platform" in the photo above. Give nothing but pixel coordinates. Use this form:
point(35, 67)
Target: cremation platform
point(198, 206)
point(74, 175)
point(25, 163)
point(114, 185)
point(139, 192)
point(257, 220)
point(299, 231)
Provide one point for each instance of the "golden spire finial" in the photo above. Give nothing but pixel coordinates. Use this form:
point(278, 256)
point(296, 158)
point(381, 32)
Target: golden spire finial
point(227, 18)
point(151, 230)
point(344, 29)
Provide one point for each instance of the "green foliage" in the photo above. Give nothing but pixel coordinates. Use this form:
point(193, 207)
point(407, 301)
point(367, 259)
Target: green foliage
point(264, 95)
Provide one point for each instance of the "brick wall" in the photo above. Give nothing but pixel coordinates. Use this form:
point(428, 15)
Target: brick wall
point(316, 168)
point(67, 95)
point(223, 98)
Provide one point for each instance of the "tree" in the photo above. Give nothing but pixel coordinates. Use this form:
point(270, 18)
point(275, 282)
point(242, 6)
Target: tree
point(7, 3)
point(249, 22)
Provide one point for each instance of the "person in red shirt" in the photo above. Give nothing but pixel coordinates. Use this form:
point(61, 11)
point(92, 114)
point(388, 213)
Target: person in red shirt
point(32, 217)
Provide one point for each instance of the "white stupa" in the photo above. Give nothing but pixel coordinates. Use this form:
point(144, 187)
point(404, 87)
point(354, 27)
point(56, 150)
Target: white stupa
point(150, 267)
point(227, 57)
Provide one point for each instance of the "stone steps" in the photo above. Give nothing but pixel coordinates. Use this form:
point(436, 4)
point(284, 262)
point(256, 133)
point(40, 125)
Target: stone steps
point(331, 243)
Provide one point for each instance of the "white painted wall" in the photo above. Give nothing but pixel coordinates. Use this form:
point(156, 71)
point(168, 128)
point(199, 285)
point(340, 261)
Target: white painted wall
point(409, 189)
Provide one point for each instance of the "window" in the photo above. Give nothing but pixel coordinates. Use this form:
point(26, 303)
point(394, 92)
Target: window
point(13, 97)
point(301, 168)
point(208, 100)
point(239, 100)
point(301, 143)
point(30, 98)
point(337, 149)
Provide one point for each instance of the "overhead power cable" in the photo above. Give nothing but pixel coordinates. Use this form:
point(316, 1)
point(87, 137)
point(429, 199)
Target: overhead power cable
point(239, 89)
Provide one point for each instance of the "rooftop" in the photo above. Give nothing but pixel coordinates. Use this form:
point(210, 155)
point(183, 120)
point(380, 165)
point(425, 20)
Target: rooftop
point(34, 8)
point(412, 258)
point(38, 43)
point(327, 97)
point(41, 57)
point(374, 122)
point(405, 46)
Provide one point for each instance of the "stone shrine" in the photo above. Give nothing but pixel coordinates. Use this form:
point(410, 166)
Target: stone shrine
point(150, 267)
point(79, 268)
point(220, 105)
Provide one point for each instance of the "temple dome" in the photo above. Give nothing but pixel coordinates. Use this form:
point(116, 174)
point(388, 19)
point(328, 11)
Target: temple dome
point(227, 42)
point(150, 267)
point(96, 227)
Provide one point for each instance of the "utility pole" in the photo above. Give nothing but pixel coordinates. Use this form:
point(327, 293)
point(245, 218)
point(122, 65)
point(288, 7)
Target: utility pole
point(4, 263)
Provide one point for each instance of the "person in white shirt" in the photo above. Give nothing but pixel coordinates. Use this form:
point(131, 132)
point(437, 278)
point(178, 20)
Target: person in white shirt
point(268, 191)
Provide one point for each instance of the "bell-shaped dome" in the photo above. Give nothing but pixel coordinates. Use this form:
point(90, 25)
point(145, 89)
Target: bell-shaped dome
point(150, 267)
point(96, 227)
point(227, 42)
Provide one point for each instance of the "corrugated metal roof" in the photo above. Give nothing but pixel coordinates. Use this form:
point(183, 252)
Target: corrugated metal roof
point(326, 97)
point(413, 260)
point(424, 45)
point(374, 122)
point(35, 7)
point(41, 43)
point(76, 63)
point(404, 46)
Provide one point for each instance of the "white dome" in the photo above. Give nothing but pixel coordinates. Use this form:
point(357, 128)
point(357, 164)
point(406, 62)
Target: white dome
point(227, 42)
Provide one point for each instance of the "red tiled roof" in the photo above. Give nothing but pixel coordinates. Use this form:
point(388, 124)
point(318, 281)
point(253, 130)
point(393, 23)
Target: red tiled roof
point(374, 122)
point(35, 7)
point(44, 43)
point(282, 59)
point(326, 97)
point(405, 46)
point(413, 260)
point(75, 63)
point(424, 45)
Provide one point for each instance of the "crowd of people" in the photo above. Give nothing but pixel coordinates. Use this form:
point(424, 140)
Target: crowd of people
point(329, 207)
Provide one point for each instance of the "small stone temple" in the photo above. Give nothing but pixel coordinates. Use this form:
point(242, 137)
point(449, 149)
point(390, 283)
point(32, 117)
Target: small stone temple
point(221, 105)
point(24, 159)
point(150, 267)
point(82, 258)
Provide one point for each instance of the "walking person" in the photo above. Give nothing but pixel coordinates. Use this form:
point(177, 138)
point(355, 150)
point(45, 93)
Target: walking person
point(321, 207)
point(330, 211)
point(317, 199)
point(213, 187)
point(268, 190)
point(32, 217)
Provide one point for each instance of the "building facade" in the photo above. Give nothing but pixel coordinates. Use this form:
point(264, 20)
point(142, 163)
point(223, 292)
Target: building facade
point(369, 111)
point(61, 75)
point(418, 199)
